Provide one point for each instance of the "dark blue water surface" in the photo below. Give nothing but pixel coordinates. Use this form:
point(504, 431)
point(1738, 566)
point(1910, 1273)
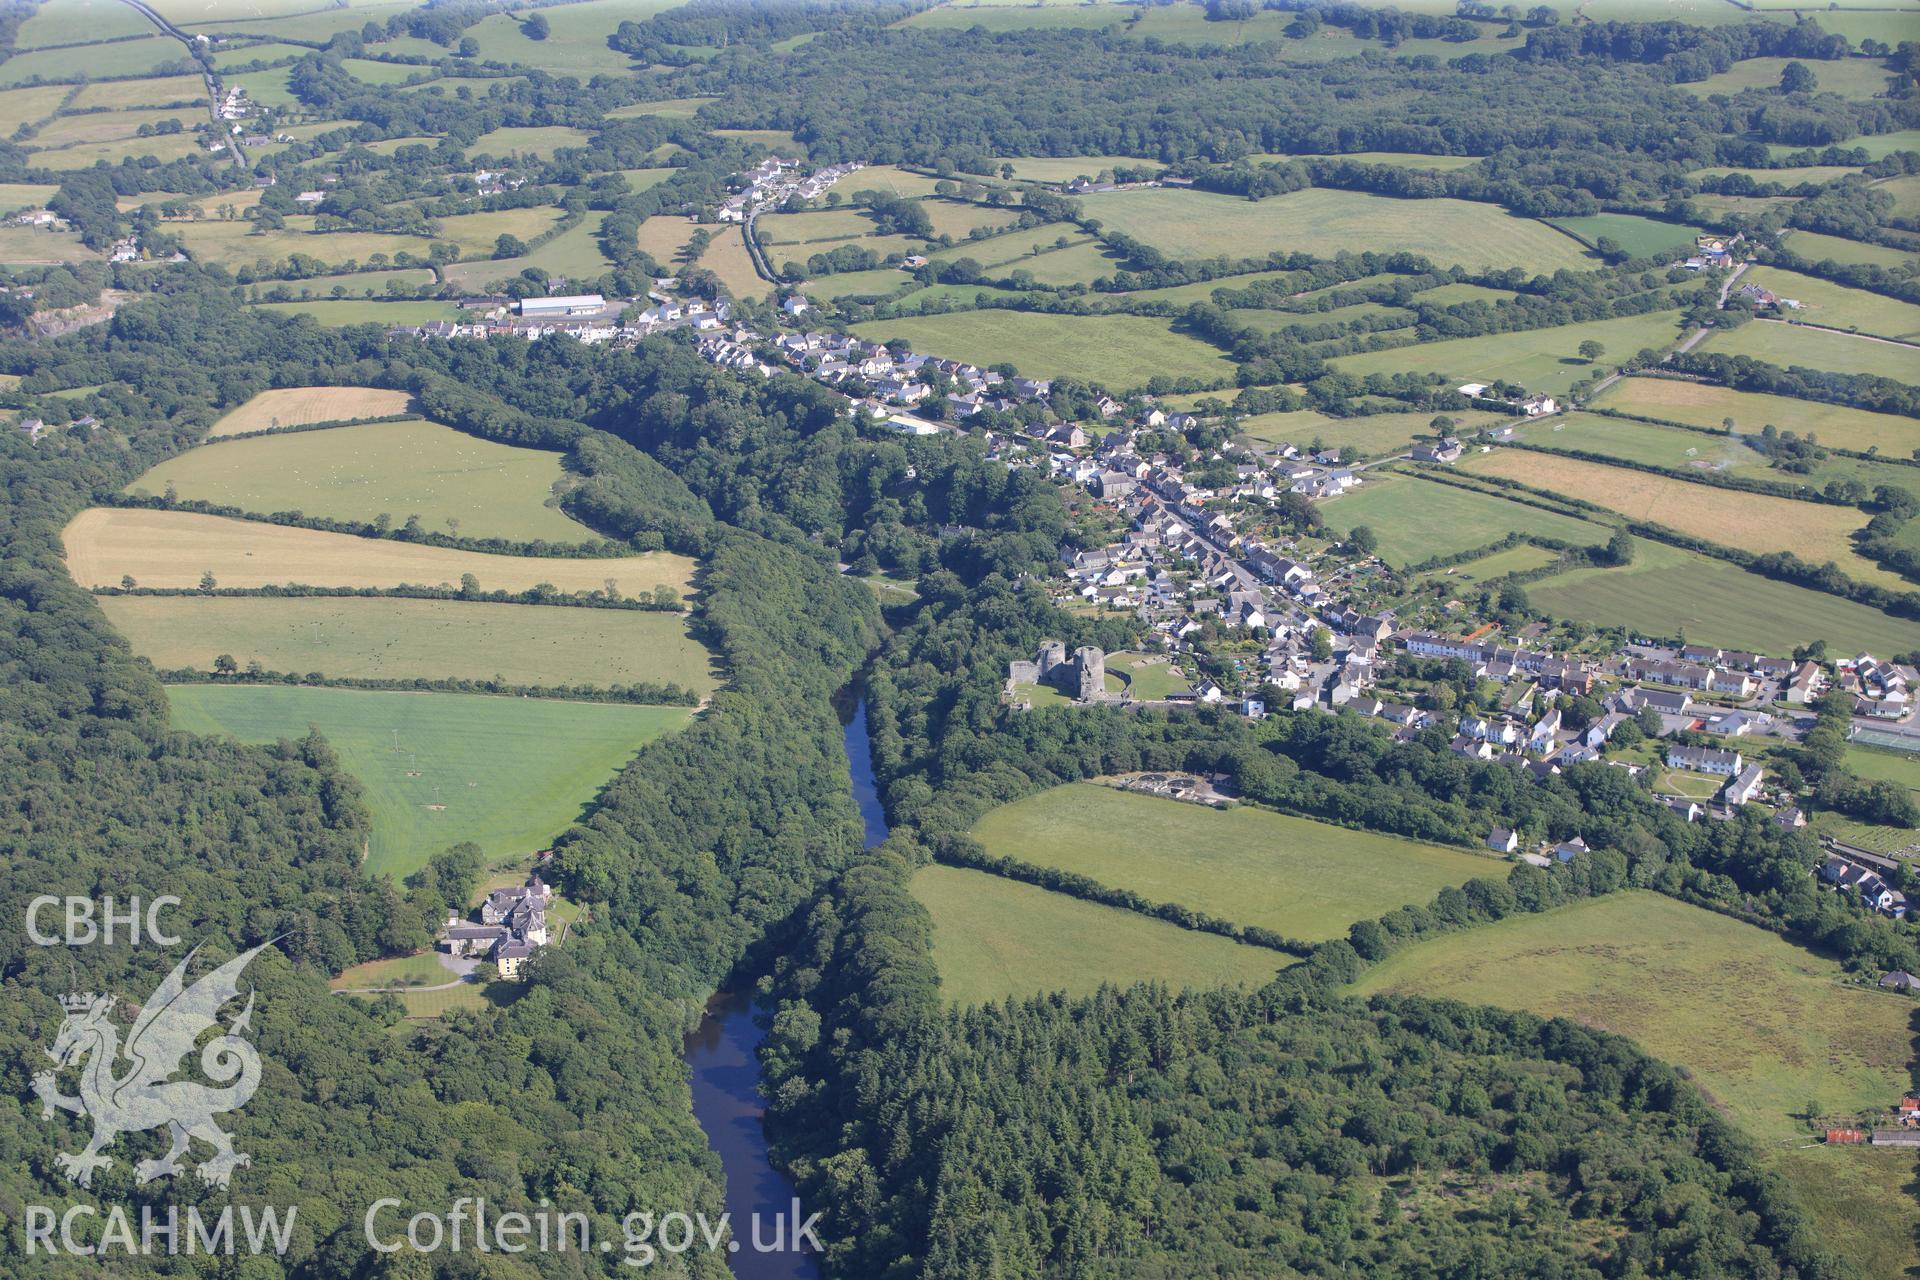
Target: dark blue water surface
point(726, 1081)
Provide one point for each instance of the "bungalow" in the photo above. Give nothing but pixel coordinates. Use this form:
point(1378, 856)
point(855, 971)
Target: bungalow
point(1901, 980)
point(1446, 449)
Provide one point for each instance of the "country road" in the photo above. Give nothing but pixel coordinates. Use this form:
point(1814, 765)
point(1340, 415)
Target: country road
point(1693, 339)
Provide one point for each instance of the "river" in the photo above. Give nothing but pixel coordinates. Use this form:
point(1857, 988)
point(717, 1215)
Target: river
point(726, 1077)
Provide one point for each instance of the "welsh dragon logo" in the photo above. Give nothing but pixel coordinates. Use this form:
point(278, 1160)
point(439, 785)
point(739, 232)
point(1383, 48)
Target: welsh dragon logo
point(144, 1096)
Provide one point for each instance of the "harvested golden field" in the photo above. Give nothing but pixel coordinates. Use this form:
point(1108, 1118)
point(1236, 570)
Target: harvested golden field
point(1750, 521)
point(172, 549)
point(300, 406)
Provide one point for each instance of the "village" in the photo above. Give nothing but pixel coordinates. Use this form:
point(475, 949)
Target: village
point(1241, 609)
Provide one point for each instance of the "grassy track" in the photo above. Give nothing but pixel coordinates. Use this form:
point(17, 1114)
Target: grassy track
point(1300, 878)
point(446, 477)
point(994, 938)
point(1543, 360)
point(1752, 522)
point(298, 406)
point(1764, 1026)
point(511, 773)
point(1120, 352)
point(1197, 224)
point(1668, 592)
point(173, 548)
point(1708, 406)
point(1417, 519)
point(403, 639)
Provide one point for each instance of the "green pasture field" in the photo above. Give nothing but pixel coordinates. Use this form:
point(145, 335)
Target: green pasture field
point(1906, 194)
point(772, 139)
point(1764, 1026)
point(1300, 878)
point(372, 71)
point(1541, 360)
point(995, 938)
point(366, 311)
point(1077, 264)
point(476, 233)
point(1398, 159)
point(856, 284)
point(1200, 224)
point(354, 284)
point(727, 257)
point(1269, 321)
point(237, 244)
point(106, 126)
point(1067, 168)
point(421, 969)
point(980, 295)
point(15, 196)
point(1518, 559)
point(1149, 675)
point(1003, 17)
point(20, 245)
point(1835, 305)
point(510, 773)
point(172, 549)
point(1644, 442)
point(1639, 237)
point(1878, 146)
point(26, 106)
point(1816, 247)
point(813, 226)
point(959, 218)
point(1448, 295)
point(1418, 519)
point(1751, 522)
point(1788, 345)
point(84, 155)
point(1848, 77)
point(388, 146)
point(1788, 177)
point(671, 108)
point(391, 638)
point(294, 19)
point(1375, 435)
point(1702, 405)
point(889, 178)
point(1689, 450)
point(81, 21)
point(643, 179)
point(540, 140)
point(574, 254)
point(1667, 592)
point(576, 43)
point(1014, 245)
point(162, 91)
point(1721, 207)
point(1203, 290)
point(95, 61)
point(240, 55)
point(1902, 767)
point(269, 88)
point(399, 469)
point(1120, 352)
